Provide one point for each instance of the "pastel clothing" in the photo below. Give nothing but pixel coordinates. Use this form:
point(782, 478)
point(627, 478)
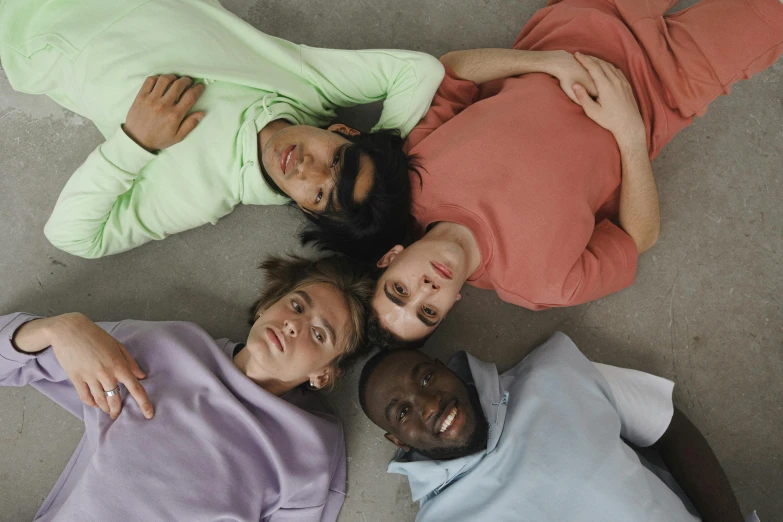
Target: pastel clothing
point(535, 180)
point(219, 447)
point(92, 57)
point(559, 434)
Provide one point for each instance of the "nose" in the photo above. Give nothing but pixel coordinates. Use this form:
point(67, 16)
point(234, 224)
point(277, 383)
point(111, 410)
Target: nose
point(308, 171)
point(291, 328)
point(428, 285)
point(430, 405)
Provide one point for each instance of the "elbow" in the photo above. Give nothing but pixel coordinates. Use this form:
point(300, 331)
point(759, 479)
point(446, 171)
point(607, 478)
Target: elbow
point(61, 240)
point(448, 59)
point(649, 239)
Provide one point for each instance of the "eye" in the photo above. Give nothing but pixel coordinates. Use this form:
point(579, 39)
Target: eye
point(319, 335)
point(426, 380)
point(319, 197)
point(403, 412)
point(400, 289)
point(428, 311)
point(336, 160)
point(297, 307)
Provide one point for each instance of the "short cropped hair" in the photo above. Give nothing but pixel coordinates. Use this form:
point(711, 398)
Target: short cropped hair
point(369, 368)
point(286, 275)
point(365, 231)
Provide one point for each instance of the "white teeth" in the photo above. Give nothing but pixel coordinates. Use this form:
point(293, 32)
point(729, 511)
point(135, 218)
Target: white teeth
point(447, 422)
point(288, 159)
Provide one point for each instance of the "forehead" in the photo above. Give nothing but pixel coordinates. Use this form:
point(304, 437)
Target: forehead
point(400, 320)
point(392, 376)
point(327, 301)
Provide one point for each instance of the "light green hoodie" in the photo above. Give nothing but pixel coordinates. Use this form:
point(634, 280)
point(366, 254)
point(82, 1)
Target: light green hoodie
point(92, 56)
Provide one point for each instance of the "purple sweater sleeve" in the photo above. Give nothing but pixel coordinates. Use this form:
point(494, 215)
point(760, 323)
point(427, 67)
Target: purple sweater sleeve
point(43, 371)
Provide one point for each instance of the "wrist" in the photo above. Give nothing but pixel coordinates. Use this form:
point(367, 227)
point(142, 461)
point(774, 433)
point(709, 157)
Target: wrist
point(32, 337)
point(551, 62)
point(631, 139)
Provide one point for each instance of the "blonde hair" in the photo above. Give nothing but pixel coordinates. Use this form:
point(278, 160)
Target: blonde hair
point(286, 275)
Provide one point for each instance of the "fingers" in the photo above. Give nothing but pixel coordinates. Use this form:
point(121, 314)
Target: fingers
point(84, 394)
point(139, 394)
point(96, 390)
point(115, 401)
point(162, 84)
point(583, 98)
point(177, 88)
point(188, 125)
point(147, 86)
point(190, 97)
point(593, 68)
point(132, 364)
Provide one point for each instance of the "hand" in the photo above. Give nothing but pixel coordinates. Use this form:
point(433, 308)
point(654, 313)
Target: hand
point(159, 117)
point(615, 108)
point(94, 362)
point(563, 66)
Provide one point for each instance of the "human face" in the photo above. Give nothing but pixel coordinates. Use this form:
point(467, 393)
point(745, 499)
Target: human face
point(420, 285)
point(422, 405)
point(305, 162)
point(295, 340)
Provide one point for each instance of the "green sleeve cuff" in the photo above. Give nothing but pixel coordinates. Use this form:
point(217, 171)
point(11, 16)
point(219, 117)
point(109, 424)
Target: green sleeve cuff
point(124, 153)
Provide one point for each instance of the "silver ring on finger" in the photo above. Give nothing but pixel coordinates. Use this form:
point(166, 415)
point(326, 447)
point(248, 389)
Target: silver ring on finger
point(112, 393)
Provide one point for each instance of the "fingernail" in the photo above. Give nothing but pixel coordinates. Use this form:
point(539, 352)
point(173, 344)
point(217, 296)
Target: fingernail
point(148, 413)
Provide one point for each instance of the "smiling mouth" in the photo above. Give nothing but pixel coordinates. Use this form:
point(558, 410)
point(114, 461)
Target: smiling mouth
point(274, 339)
point(285, 158)
point(442, 270)
point(449, 420)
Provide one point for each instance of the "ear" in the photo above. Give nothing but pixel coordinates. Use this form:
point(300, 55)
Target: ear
point(389, 256)
point(321, 378)
point(459, 296)
point(397, 442)
point(343, 129)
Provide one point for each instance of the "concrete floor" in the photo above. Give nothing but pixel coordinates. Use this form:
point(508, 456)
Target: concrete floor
point(705, 310)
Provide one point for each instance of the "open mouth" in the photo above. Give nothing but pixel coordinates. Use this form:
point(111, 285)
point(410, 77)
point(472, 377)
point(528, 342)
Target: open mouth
point(275, 339)
point(442, 270)
point(446, 419)
point(285, 159)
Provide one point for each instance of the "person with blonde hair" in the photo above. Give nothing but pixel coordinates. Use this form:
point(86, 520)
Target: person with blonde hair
point(215, 429)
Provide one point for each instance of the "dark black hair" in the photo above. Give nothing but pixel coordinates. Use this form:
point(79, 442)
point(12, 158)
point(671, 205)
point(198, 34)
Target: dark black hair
point(365, 231)
point(369, 368)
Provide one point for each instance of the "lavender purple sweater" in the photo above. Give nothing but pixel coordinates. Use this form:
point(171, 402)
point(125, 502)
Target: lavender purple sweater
point(219, 447)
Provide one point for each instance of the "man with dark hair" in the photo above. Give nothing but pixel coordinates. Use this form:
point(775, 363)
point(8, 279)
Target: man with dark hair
point(244, 119)
point(548, 202)
point(555, 438)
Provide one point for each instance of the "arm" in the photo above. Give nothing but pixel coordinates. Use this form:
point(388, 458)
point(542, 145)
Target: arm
point(85, 354)
point(693, 464)
point(97, 211)
point(616, 110)
point(405, 80)
point(484, 65)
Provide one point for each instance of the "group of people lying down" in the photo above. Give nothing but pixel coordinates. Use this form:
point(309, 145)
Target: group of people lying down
point(523, 170)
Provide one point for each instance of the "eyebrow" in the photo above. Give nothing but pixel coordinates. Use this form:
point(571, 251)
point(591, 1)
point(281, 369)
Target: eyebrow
point(304, 295)
point(389, 408)
point(417, 369)
point(393, 298)
point(423, 318)
point(329, 328)
point(332, 203)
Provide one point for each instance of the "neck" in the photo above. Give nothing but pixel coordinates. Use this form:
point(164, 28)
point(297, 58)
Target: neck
point(268, 131)
point(274, 386)
point(462, 238)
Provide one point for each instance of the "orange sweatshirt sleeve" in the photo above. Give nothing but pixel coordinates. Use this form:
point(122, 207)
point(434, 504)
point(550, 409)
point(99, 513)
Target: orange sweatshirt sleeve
point(607, 265)
point(453, 96)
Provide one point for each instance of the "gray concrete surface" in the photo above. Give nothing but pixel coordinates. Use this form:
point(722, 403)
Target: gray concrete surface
point(705, 310)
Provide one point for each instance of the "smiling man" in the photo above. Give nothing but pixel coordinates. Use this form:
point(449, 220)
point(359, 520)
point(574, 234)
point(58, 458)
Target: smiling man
point(202, 112)
point(556, 438)
point(548, 202)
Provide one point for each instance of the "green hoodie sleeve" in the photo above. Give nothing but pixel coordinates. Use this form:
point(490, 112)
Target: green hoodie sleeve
point(103, 210)
point(405, 80)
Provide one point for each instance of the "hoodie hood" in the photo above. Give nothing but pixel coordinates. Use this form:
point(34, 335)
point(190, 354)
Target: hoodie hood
point(427, 477)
